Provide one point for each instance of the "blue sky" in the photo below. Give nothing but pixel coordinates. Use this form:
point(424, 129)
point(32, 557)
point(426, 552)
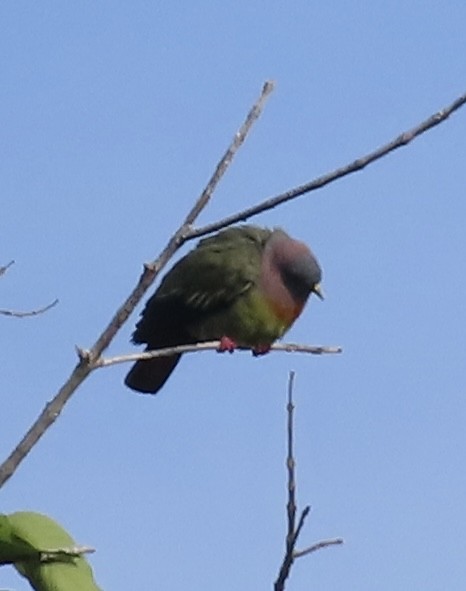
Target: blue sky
point(113, 115)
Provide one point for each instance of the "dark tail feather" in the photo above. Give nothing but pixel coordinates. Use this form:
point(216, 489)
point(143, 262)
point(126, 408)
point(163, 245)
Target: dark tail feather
point(149, 375)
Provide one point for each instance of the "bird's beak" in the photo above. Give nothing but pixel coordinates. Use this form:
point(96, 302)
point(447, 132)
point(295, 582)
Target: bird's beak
point(318, 291)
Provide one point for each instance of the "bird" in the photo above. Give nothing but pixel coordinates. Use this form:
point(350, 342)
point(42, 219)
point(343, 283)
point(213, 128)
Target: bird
point(243, 286)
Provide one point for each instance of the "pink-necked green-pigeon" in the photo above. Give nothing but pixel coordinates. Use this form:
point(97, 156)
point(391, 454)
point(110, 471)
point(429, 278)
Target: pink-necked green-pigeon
point(244, 286)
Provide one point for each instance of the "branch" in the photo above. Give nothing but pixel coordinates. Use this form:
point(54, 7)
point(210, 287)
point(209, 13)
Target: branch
point(207, 346)
point(290, 465)
point(151, 270)
point(402, 140)
point(30, 313)
point(17, 314)
point(52, 555)
point(294, 531)
point(85, 365)
point(291, 536)
point(4, 269)
point(185, 233)
point(318, 546)
point(55, 554)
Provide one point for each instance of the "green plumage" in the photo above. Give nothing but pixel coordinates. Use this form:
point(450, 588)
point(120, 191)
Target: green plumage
point(217, 290)
point(214, 290)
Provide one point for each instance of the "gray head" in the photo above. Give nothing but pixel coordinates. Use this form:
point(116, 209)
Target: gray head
point(297, 265)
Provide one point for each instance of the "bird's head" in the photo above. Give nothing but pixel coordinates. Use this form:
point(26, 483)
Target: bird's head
point(298, 266)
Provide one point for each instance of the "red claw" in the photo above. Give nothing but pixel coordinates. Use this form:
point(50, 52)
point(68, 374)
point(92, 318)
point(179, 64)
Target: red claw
point(226, 344)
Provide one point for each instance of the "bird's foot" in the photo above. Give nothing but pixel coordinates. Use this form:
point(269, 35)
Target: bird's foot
point(226, 344)
point(260, 350)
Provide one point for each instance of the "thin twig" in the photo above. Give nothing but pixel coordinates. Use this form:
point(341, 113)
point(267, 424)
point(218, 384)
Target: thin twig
point(290, 465)
point(305, 512)
point(55, 554)
point(85, 365)
point(225, 162)
point(291, 536)
point(401, 140)
point(294, 531)
point(29, 313)
point(208, 346)
point(5, 268)
point(50, 555)
point(318, 546)
point(21, 314)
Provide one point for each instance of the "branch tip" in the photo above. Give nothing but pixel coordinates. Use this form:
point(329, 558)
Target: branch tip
point(318, 546)
point(83, 354)
point(5, 268)
point(17, 314)
point(54, 554)
point(401, 140)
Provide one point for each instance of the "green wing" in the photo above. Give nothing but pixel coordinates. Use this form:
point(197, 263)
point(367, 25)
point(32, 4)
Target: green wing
point(208, 279)
point(219, 270)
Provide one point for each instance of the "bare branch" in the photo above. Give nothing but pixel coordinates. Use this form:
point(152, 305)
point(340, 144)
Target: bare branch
point(290, 465)
point(294, 531)
point(291, 536)
point(402, 140)
point(50, 555)
point(151, 270)
point(184, 233)
point(17, 314)
point(225, 162)
point(318, 546)
point(29, 313)
point(305, 512)
point(85, 365)
point(55, 554)
point(207, 346)
point(46, 418)
point(4, 269)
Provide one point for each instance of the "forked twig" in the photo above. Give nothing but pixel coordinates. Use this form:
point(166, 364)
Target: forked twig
point(293, 530)
point(84, 367)
point(401, 140)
